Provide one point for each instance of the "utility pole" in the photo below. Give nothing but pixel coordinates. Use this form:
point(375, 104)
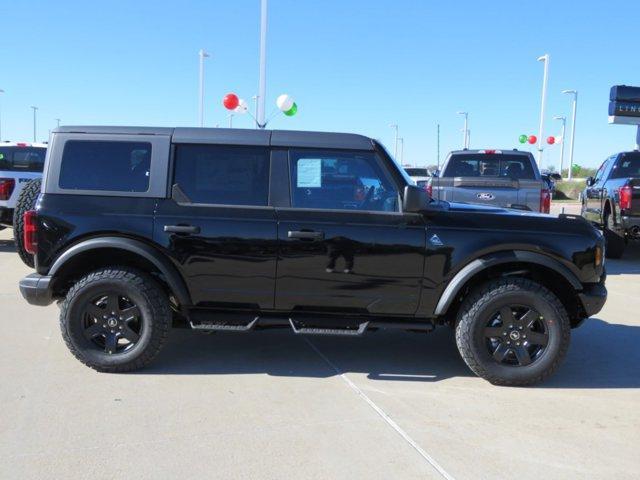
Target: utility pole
point(545, 78)
point(202, 54)
point(35, 109)
point(262, 82)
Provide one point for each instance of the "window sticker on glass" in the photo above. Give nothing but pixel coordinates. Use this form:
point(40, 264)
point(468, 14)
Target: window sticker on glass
point(309, 173)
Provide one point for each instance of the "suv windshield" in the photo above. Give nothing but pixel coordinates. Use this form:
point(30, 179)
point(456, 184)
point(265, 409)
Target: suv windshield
point(22, 159)
point(490, 165)
point(628, 166)
point(417, 172)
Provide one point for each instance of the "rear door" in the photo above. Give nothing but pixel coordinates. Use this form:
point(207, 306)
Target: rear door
point(345, 246)
point(218, 226)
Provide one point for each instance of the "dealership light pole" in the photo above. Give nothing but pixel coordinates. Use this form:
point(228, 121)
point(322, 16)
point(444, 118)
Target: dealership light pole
point(35, 109)
point(401, 151)
point(202, 54)
point(563, 119)
point(438, 149)
point(573, 128)
point(262, 81)
point(544, 58)
point(395, 145)
point(465, 138)
point(1, 92)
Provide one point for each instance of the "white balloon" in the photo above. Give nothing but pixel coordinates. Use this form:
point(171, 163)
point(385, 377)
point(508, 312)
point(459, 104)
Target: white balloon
point(558, 139)
point(242, 107)
point(284, 102)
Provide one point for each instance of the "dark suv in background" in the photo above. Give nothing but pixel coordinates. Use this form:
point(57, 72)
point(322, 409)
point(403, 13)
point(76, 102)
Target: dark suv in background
point(141, 229)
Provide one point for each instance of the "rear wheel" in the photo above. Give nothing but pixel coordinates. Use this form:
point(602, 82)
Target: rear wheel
point(26, 201)
point(513, 332)
point(615, 243)
point(115, 319)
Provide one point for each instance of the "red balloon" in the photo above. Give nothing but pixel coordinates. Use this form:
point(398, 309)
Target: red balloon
point(231, 101)
point(532, 139)
point(551, 140)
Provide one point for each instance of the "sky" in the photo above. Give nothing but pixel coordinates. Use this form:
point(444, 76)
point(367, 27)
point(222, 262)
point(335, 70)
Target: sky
point(351, 65)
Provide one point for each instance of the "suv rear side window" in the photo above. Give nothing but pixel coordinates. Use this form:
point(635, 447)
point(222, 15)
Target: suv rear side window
point(490, 165)
point(628, 165)
point(223, 175)
point(335, 180)
point(107, 166)
point(22, 159)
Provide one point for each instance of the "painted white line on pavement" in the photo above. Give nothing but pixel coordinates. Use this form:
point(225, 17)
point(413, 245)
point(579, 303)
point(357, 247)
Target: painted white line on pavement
point(381, 412)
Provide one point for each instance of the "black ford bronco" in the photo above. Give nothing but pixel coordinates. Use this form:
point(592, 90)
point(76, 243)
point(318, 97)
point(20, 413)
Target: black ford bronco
point(137, 230)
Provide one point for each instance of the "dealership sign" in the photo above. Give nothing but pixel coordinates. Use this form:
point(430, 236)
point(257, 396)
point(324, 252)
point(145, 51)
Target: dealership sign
point(624, 105)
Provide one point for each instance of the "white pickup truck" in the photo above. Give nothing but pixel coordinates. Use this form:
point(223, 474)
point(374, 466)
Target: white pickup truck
point(20, 162)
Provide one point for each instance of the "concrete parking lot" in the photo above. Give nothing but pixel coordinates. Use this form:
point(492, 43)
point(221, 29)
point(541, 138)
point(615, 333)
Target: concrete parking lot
point(273, 405)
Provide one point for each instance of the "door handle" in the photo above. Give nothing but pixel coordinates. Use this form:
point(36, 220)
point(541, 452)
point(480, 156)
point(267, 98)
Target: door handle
point(181, 229)
point(306, 235)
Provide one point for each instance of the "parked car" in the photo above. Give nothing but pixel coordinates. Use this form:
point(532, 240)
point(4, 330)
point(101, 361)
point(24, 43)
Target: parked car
point(141, 229)
point(501, 178)
point(611, 200)
point(20, 162)
point(419, 175)
point(550, 179)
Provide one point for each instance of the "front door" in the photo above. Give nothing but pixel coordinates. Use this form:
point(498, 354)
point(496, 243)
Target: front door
point(218, 226)
point(344, 244)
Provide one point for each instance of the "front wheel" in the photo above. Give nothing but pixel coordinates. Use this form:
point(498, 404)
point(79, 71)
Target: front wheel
point(115, 319)
point(513, 331)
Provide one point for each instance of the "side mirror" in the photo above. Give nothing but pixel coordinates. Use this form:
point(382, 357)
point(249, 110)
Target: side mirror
point(435, 173)
point(414, 200)
point(590, 181)
point(556, 176)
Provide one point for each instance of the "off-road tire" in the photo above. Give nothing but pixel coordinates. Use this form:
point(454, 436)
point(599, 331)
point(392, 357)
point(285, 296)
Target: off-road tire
point(152, 301)
point(493, 295)
point(615, 243)
point(26, 201)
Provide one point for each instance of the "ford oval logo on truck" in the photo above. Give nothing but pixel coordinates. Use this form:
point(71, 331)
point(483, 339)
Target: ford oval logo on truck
point(485, 196)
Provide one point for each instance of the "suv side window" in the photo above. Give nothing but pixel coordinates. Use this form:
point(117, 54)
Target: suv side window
point(340, 180)
point(223, 175)
point(105, 165)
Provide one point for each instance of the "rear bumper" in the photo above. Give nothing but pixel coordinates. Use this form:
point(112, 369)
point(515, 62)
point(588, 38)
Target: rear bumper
point(593, 297)
point(6, 216)
point(629, 222)
point(36, 289)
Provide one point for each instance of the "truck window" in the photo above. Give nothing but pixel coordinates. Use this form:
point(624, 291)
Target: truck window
point(22, 159)
point(105, 165)
point(336, 180)
point(223, 175)
point(490, 165)
point(628, 165)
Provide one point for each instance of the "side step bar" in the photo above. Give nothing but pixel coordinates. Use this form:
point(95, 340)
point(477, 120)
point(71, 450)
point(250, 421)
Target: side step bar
point(329, 331)
point(223, 327)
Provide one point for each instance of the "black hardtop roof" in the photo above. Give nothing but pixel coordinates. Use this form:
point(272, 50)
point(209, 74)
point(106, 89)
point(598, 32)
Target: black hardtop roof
point(237, 136)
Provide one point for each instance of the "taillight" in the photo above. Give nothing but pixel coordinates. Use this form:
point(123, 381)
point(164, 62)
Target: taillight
point(626, 194)
point(6, 188)
point(30, 232)
point(545, 201)
point(429, 189)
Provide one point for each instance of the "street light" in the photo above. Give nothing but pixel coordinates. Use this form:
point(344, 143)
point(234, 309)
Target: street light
point(573, 127)
point(58, 122)
point(202, 54)
point(1, 92)
point(401, 140)
point(35, 109)
point(262, 80)
point(465, 138)
point(395, 147)
point(544, 58)
point(563, 119)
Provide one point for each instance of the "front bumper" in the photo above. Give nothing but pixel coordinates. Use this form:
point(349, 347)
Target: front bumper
point(36, 289)
point(593, 297)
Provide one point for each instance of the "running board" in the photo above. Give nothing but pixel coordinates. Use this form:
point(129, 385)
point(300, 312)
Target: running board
point(224, 327)
point(345, 332)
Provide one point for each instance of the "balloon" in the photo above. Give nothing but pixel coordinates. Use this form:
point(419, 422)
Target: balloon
point(559, 139)
point(242, 107)
point(284, 102)
point(551, 140)
point(522, 139)
point(230, 101)
point(532, 139)
point(292, 111)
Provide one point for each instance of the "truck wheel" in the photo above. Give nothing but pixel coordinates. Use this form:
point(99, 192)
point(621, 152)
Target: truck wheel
point(115, 319)
point(26, 201)
point(513, 331)
point(615, 243)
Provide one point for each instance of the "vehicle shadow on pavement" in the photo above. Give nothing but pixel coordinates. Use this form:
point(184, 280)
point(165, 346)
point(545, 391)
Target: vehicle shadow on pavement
point(601, 355)
point(381, 355)
point(7, 246)
point(628, 264)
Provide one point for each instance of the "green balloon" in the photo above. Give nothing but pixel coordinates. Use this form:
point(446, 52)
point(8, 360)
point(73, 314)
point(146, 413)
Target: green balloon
point(523, 138)
point(292, 111)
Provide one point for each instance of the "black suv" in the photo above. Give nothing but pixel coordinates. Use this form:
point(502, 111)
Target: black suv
point(141, 229)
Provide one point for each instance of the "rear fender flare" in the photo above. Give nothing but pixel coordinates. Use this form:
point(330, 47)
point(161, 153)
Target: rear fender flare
point(458, 282)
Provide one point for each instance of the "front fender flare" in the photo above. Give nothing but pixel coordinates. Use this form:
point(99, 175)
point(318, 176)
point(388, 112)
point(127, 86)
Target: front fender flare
point(168, 270)
point(521, 256)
